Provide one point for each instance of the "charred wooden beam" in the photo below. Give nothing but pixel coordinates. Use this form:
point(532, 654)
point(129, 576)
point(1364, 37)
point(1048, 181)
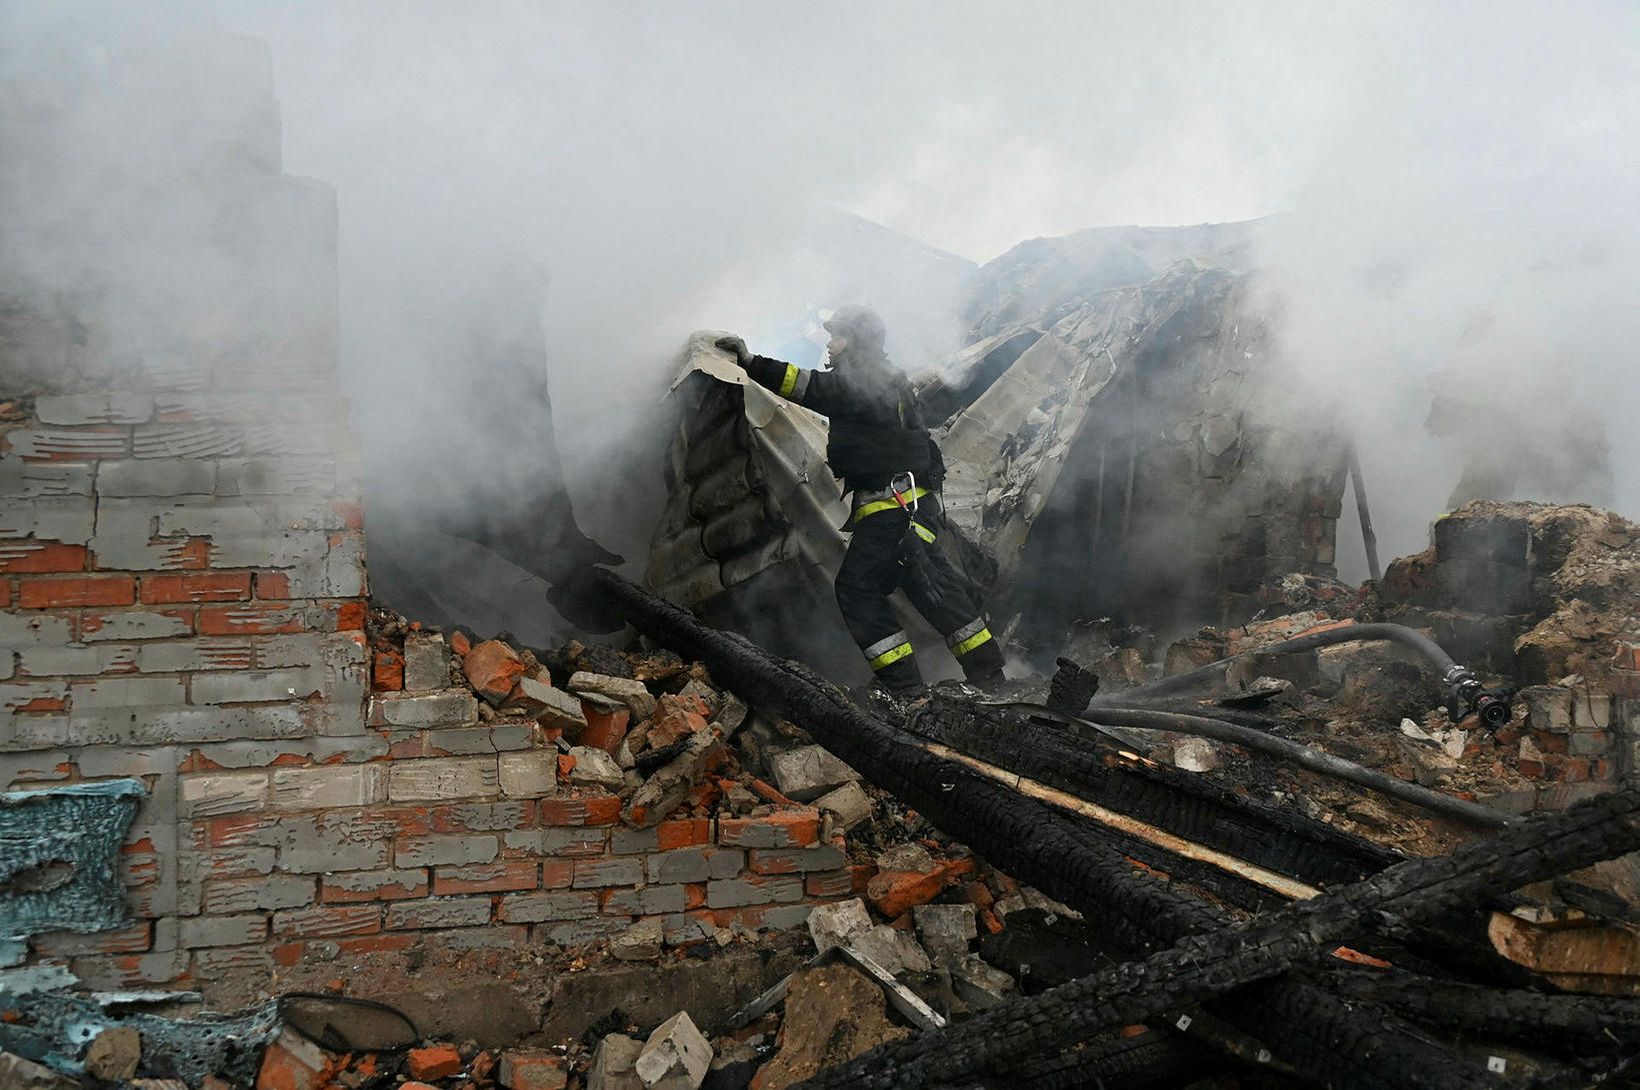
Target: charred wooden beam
point(1069, 859)
point(1204, 967)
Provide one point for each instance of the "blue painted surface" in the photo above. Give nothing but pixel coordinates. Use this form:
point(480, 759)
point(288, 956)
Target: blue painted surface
point(60, 858)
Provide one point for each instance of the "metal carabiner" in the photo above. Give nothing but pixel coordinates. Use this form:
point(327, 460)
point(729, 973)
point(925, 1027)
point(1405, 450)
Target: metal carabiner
point(909, 490)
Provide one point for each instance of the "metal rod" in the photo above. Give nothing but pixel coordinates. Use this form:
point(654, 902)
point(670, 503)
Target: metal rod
point(1369, 540)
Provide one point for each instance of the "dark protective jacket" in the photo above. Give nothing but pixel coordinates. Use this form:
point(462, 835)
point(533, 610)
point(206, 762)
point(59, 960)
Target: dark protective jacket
point(876, 427)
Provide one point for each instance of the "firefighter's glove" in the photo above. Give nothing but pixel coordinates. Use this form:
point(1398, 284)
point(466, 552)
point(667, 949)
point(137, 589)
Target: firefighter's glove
point(736, 348)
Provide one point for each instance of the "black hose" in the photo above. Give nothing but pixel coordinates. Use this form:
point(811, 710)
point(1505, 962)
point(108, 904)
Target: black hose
point(1460, 681)
point(1313, 759)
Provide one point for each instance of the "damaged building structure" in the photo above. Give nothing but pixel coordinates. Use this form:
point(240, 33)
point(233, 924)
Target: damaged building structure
point(1259, 825)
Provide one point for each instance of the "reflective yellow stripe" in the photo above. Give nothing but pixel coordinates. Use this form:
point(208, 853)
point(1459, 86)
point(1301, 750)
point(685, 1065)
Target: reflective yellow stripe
point(789, 383)
point(888, 504)
point(891, 656)
point(971, 642)
point(922, 531)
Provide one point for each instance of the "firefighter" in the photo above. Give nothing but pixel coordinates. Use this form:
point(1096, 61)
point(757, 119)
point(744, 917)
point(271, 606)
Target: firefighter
point(880, 449)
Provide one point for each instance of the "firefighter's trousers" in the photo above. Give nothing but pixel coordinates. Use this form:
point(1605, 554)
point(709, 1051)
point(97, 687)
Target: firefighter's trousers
point(872, 570)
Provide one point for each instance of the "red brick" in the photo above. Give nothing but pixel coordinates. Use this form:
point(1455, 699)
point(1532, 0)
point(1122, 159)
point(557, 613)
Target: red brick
point(387, 672)
point(675, 717)
point(334, 891)
point(989, 920)
point(580, 810)
point(1548, 742)
point(5, 592)
point(894, 892)
point(787, 829)
point(831, 883)
point(1600, 769)
point(533, 1069)
point(250, 620)
point(437, 1062)
point(328, 922)
point(39, 557)
point(557, 873)
point(187, 554)
point(604, 730)
point(352, 513)
point(1532, 770)
point(460, 644)
point(283, 1069)
point(683, 833)
point(127, 940)
point(375, 944)
point(78, 590)
point(196, 587)
point(501, 877)
point(273, 585)
point(493, 669)
point(93, 621)
point(350, 617)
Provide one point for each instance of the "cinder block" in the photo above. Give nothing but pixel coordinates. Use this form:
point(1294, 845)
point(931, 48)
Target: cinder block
point(439, 912)
point(547, 906)
point(444, 778)
point(327, 786)
point(434, 851)
point(156, 477)
point(35, 630)
point(100, 408)
point(449, 708)
point(236, 930)
point(529, 774)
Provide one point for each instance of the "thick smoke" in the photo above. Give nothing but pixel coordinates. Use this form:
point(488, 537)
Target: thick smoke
point(660, 168)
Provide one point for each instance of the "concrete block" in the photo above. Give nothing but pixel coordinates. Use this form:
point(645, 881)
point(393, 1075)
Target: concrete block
point(624, 841)
point(436, 851)
point(580, 932)
point(248, 686)
point(374, 885)
point(530, 774)
point(640, 942)
point(807, 772)
point(329, 921)
point(547, 907)
point(68, 444)
point(444, 778)
point(426, 662)
point(439, 912)
point(837, 924)
point(980, 985)
point(553, 707)
point(595, 768)
point(946, 931)
point(614, 1064)
point(848, 805)
point(101, 408)
point(193, 656)
point(173, 725)
point(634, 694)
point(213, 794)
point(896, 951)
point(326, 786)
point(196, 931)
point(676, 1056)
point(1548, 707)
point(156, 477)
point(796, 860)
point(752, 890)
point(1591, 710)
point(596, 873)
point(449, 708)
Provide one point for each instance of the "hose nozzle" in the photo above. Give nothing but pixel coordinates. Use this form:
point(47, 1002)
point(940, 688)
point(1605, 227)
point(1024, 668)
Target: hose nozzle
point(1470, 697)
